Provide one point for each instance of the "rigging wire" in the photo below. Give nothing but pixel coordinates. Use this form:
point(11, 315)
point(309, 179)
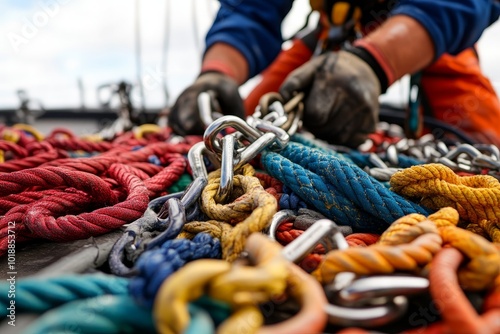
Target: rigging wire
point(138, 54)
point(164, 55)
point(195, 27)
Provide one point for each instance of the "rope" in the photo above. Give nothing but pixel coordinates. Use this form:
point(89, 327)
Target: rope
point(455, 309)
point(484, 263)
point(378, 259)
point(104, 314)
point(44, 200)
point(38, 218)
point(243, 288)
point(35, 295)
point(181, 184)
point(155, 266)
point(359, 200)
point(31, 162)
point(290, 201)
point(16, 150)
point(475, 198)
point(407, 228)
point(353, 183)
point(251, 212)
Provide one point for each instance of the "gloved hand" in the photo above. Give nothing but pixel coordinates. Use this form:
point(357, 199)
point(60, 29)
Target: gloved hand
point(184, 117)
point(341, 103)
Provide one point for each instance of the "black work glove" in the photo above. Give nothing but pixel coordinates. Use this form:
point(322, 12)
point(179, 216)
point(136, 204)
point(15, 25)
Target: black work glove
point(341, 103)
point(184, 117)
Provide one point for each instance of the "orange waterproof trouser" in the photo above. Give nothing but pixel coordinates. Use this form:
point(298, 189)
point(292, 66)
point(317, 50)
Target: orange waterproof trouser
point(459, 94)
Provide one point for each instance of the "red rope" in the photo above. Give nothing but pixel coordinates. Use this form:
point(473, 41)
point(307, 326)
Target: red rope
point(100, 221)
point(159, 183)
point(361, 239)
point(31, 162)
point(15, 149)
point(456, 311)
point(39, 220)
point(76, 144)
point(50, 177)
point(149, 169)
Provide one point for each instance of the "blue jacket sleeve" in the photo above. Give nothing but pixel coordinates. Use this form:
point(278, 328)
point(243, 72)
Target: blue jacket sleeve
point(453, 25)
point(253, 27)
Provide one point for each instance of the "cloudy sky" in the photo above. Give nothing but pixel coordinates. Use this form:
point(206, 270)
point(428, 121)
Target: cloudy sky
point(48, 45)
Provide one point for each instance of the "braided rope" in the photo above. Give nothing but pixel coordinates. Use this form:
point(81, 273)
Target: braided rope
point(108, 314)
point(37, 295)
point(155, 266)
point(475, 198)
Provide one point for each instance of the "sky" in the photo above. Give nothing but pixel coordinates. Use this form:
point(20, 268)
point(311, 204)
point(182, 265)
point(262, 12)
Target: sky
point(48, 46)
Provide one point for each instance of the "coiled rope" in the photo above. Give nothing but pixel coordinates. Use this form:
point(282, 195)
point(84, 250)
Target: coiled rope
point(338, 189)
point(35, 295)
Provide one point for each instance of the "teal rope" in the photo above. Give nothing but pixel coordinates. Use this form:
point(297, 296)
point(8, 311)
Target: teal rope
point(298, 138)
point(120, 314)
point(345, 182)
point(39, 295)
point(103, 314)
point(181, 184)
point(320, 194)
point(206, 314)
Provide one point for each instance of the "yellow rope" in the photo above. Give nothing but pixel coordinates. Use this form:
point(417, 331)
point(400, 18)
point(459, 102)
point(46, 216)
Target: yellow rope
point(252, 212)
point(143, 129)
point(407, 228)
point(484, 258)
point(241, 286)
point(410, 243)
point(29, 129)
point(475, 198)
point(491, 229)
point(9, 135)
point(381, 259)
point(477, 229)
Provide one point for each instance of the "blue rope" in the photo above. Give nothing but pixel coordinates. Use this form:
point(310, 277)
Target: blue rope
point(39, 295)
point(156, 265)
point(104, 314)
point(353, 183)
point(318, 193)
point(153, 159)
point(338, 189)
point(298, 138)
point(290, 201)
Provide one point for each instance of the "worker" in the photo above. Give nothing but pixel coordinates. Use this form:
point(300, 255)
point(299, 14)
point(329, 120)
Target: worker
point(342, 87)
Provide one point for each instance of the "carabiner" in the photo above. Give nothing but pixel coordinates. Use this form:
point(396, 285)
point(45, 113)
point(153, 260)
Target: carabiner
point(369, 316)
point(227, 169)
point(364, 289)
point(147, 223)
point(324, 231)
point(213, 143)
point(189, 198)
point(278, 218)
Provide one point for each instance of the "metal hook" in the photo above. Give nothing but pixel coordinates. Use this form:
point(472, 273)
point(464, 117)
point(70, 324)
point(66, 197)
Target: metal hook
point(366, 288)
point(213, 143)
point(196, 162)
point(190, 196)
point(227, 171)
point(324, 232)
point(370, 316)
